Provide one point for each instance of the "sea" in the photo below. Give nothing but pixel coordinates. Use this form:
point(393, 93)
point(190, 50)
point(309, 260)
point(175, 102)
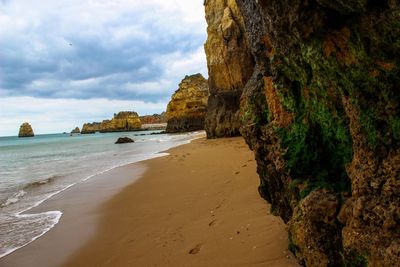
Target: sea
point(34, 169)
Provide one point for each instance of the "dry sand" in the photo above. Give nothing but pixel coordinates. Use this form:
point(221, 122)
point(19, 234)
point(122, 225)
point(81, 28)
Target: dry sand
point(199, 206)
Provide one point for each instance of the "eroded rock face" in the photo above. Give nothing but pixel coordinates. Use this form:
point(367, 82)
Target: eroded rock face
point(25, 130)
point(124, 121)
point(76, 131)
point(230, 65)
point(91, 128)
point(187, 108)
point(154, 119)
point(321, 112)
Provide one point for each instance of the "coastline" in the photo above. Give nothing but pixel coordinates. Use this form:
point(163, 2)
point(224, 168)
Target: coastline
point(198, 206)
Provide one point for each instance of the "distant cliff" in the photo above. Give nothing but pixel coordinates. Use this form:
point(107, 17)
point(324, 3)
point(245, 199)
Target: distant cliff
point(187, 108)
point(154, 119)
point(230, 65)
point(321, 112)
point(26, 130)
point(124, 121)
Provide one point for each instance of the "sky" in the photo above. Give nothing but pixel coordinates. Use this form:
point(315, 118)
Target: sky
point(66, 62)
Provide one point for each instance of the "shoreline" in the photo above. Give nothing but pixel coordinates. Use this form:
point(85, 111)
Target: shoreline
point(104, 210)
point(35, 209)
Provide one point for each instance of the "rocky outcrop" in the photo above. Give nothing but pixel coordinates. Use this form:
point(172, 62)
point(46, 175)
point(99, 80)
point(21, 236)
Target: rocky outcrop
point(25, 130)
point(154, 119)
point(124, 140)
point(230, 65)
point(76, 131)
point(321, 112)
point(124, 121)
point(91, 128)
point(187, 108)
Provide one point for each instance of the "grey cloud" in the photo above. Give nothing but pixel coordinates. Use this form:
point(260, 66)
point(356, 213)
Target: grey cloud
point(39, 61)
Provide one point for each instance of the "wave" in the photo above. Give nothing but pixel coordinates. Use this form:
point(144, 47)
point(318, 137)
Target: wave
point(41, 182)
point(14, 198)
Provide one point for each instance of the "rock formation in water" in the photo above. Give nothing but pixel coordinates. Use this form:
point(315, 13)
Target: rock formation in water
point(76, 131)
point(154, 119)
point(124, 140)
point(124, 121)
point(25, 130)
point(187, 108)
point(230, 65)
point(321, 112)
point(91, 128)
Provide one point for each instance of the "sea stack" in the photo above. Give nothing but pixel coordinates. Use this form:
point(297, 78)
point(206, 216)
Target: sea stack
point(26, 130)
point(187, 108)
point(76, 131)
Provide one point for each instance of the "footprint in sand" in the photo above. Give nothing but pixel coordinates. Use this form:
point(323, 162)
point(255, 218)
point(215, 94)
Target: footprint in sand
point(196, 249)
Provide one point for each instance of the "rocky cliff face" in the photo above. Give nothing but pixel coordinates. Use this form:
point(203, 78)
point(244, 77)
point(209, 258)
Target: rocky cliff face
point(91, 128)
point(187, 108)
point(124, 121)
point(25, 130)
point(230, 65)
point(154, 119)
point(76, 131)
point(321, 112)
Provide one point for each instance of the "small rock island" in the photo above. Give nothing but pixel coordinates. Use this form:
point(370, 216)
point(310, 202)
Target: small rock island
point(76, 131)
point(26, 130)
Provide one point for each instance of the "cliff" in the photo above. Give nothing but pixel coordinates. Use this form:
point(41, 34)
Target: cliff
point(124, 121)
point(154, 119)
point(25, 130)
point(230, 65)
point(91, 128)
point(187, 108)
point(321, 112)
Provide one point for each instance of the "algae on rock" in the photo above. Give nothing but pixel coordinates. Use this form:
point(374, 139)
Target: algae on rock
point(321, 112)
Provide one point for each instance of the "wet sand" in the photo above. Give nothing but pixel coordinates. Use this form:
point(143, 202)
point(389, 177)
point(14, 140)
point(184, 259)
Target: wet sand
point(198, 206)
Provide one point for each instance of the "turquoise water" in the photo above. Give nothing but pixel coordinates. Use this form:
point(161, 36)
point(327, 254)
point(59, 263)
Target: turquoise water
point(34, 169)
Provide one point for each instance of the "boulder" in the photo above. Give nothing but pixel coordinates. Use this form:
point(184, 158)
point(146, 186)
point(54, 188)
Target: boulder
point(26, 130)
point(123, 140)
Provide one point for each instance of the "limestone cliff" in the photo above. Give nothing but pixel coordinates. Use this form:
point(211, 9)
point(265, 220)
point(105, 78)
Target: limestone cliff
point(124, 121)
point(230, 65)
point(154, 119)
point(321, 112)
point(25, 130)
point(91, 128)
point(187, 108)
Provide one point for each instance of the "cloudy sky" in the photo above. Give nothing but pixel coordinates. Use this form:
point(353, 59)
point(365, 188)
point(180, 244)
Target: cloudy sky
point(66, 62)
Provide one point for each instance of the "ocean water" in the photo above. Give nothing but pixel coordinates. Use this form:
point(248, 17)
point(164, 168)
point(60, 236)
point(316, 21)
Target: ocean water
point(34, 169)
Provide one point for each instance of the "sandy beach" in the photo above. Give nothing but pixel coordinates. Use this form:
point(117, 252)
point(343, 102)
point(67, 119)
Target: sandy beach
point(198, 206)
